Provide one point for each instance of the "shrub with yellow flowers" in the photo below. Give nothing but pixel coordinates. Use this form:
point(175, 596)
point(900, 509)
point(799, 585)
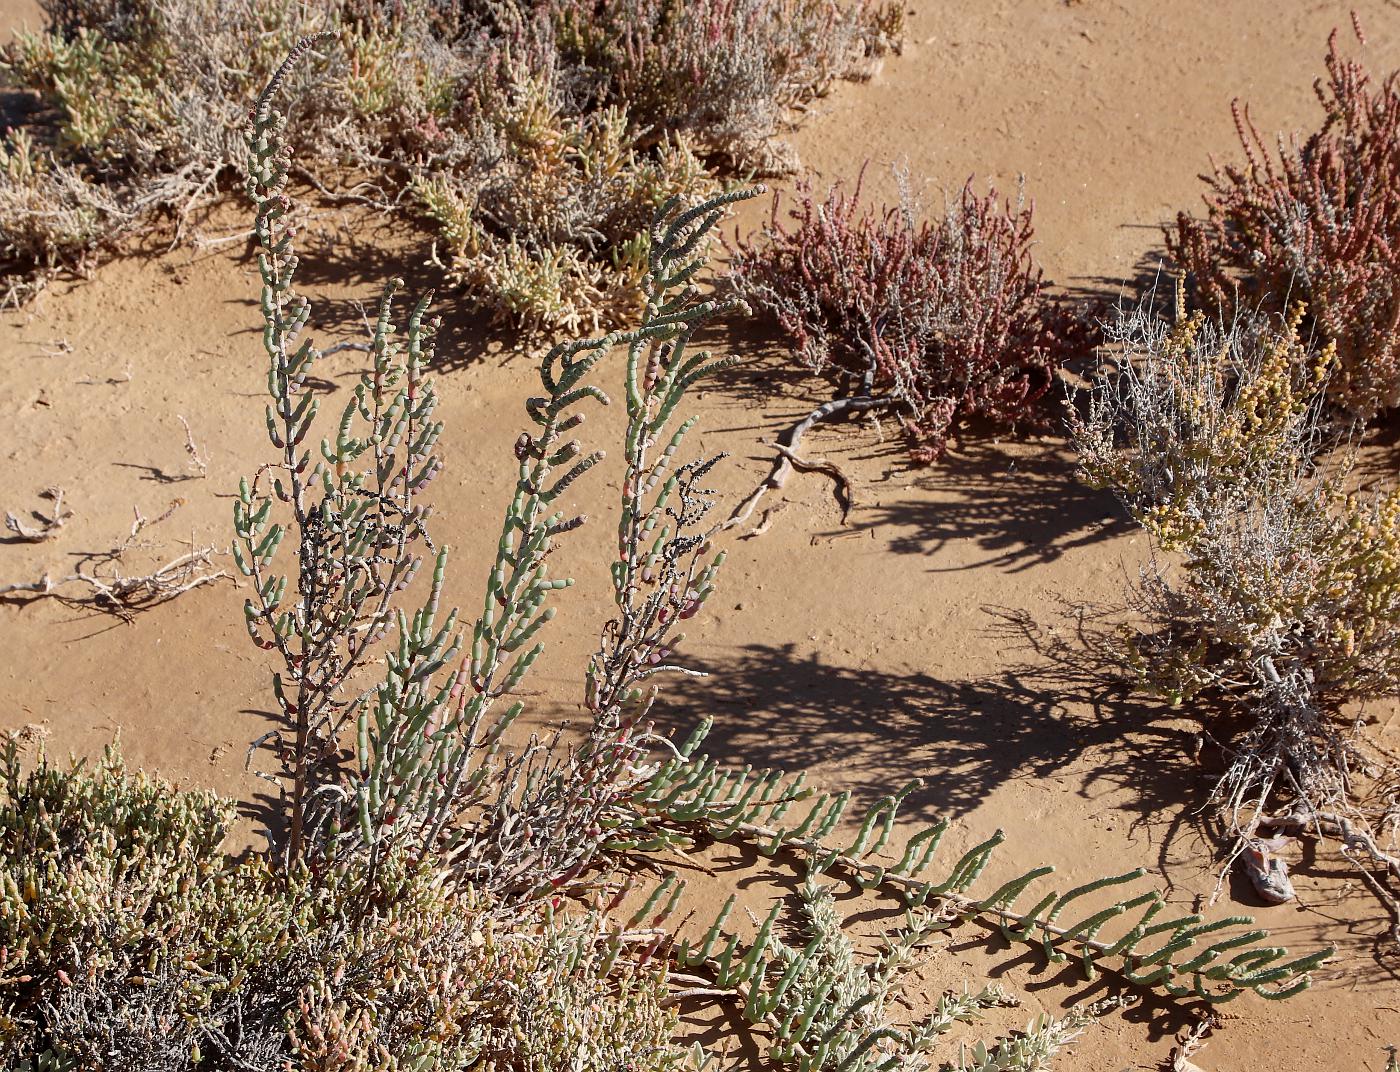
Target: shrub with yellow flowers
point(1275, 587)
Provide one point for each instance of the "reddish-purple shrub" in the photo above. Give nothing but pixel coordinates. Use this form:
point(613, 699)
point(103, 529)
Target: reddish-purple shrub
point(946, 320)
point(1319, 221)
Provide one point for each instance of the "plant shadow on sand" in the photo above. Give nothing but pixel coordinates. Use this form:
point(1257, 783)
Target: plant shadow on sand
point(1021, 510)
point(776, 708)
point(261, 808)
point(1064, 714)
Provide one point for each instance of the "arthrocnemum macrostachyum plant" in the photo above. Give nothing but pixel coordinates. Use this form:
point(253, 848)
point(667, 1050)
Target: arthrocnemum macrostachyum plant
point(427, 740)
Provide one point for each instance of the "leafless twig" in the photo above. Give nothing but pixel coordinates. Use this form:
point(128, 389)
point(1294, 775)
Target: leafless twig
point(121, 592)
point(107, 586)
point(199, 463)
point(787, 459)
point(1190, 1042)
point(49, 523)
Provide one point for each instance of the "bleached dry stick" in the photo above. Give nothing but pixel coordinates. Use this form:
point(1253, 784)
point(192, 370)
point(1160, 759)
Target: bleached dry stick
point(49, 523)
point(118, 590)
point(1339, 826)
point(197, 462)
point(176, 577)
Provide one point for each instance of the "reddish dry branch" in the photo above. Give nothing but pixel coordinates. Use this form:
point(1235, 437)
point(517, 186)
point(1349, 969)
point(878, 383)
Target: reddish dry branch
point(1316, 219)
point(948, 319)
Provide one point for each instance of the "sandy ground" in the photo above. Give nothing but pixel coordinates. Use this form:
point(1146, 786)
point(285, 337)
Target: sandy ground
point(892, 647)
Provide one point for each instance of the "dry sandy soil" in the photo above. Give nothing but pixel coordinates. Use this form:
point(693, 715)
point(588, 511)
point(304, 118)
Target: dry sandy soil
point(890, 647)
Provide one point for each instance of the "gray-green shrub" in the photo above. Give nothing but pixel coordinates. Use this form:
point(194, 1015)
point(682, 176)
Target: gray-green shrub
point(536, 139)
point(1278, 599)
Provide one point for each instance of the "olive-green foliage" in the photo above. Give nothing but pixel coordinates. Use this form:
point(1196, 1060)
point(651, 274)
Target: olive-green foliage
point(131, 941)
point(535, 144)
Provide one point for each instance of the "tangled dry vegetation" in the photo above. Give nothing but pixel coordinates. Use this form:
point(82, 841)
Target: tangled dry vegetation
point(537, 136)
point(433, 899)
point(1225, 435)
point(1317, 220)
point(1282, 602)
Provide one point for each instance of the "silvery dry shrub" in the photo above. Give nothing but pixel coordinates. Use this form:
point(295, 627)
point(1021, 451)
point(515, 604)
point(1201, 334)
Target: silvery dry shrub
point(1315, 219)
point(50, 210)
point(141, 108)
point(942, 321)
point(1282, 599)
point(724, 72)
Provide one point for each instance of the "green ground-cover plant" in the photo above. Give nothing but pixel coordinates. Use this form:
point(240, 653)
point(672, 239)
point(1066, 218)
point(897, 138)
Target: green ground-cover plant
point(536, 138)
point(1315, 219)
point(1282, 602)
point(133, 942)
point(432, 899)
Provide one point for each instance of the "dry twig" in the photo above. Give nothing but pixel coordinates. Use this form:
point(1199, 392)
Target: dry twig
point(108, 587)
point(49, 523)
point(198, 463)
point(788, 459)
point(1190, 1042)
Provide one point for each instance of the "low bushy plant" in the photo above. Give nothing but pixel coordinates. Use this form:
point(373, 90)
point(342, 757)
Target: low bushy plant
point(132, 941)
point(537, 139)
point(138, 112)
point(548, 226)
point(941, 321)
point(725, 72)
point(1282, 600)
point(1317, 220)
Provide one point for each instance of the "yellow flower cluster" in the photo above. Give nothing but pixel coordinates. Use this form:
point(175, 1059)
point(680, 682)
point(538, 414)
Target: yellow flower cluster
point(1278, 560)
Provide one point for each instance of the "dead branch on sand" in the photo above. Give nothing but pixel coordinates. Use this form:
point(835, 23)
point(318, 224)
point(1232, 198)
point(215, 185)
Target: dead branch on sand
point(105, 585)
point(198, 462)
point(788, 459)
point(49, 523)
